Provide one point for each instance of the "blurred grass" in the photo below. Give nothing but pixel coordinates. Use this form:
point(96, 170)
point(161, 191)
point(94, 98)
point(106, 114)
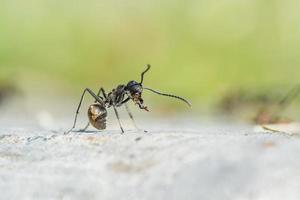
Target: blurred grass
point(198, 49)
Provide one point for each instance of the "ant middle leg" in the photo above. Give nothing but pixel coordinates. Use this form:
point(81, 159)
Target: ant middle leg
point(117, 115)
point(97, 99)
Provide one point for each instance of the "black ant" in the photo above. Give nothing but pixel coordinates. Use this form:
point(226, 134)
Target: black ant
point(97, 112)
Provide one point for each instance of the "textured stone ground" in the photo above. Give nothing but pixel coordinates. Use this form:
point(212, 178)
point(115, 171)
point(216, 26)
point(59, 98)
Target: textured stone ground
point(176, 159)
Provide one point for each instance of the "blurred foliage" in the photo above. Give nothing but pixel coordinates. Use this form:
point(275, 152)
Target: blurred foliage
point(260, 106)
point(7, 90)
point(198, 49)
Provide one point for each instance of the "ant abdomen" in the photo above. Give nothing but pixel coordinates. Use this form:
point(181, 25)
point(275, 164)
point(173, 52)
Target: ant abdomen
point(97, 116)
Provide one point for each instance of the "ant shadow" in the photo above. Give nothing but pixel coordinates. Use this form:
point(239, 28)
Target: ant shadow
point(107, 132)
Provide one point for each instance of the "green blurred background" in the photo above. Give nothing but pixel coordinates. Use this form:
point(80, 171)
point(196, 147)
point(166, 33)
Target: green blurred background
point(198, 49)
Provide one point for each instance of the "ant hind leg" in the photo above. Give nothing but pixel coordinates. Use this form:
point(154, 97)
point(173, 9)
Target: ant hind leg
point(97, 99)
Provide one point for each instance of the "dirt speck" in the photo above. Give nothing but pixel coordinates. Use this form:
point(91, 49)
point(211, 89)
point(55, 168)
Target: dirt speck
point(122, 167)
point(268, 144)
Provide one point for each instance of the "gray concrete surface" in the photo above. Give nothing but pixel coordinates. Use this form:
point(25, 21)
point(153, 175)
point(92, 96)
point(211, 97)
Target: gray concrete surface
point(176, 159)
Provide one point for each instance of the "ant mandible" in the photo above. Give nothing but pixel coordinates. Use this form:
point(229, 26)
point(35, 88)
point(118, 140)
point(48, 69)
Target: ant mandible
point(97, 112)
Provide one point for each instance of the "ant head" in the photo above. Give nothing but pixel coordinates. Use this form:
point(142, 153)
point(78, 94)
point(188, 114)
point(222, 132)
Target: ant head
point(135, 89)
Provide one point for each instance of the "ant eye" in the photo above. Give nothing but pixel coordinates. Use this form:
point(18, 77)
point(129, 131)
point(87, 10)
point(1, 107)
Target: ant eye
point(132, 84)
point(134, 87)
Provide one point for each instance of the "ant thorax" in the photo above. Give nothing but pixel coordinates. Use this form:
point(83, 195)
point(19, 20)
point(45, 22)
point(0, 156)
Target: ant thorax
point(116, 96)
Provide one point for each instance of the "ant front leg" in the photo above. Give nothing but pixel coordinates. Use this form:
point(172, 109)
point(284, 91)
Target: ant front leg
point(131, 117)
point(97, 99)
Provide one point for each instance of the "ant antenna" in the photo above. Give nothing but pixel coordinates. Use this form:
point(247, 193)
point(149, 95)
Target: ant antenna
point(142, 75)
point(170, 95)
